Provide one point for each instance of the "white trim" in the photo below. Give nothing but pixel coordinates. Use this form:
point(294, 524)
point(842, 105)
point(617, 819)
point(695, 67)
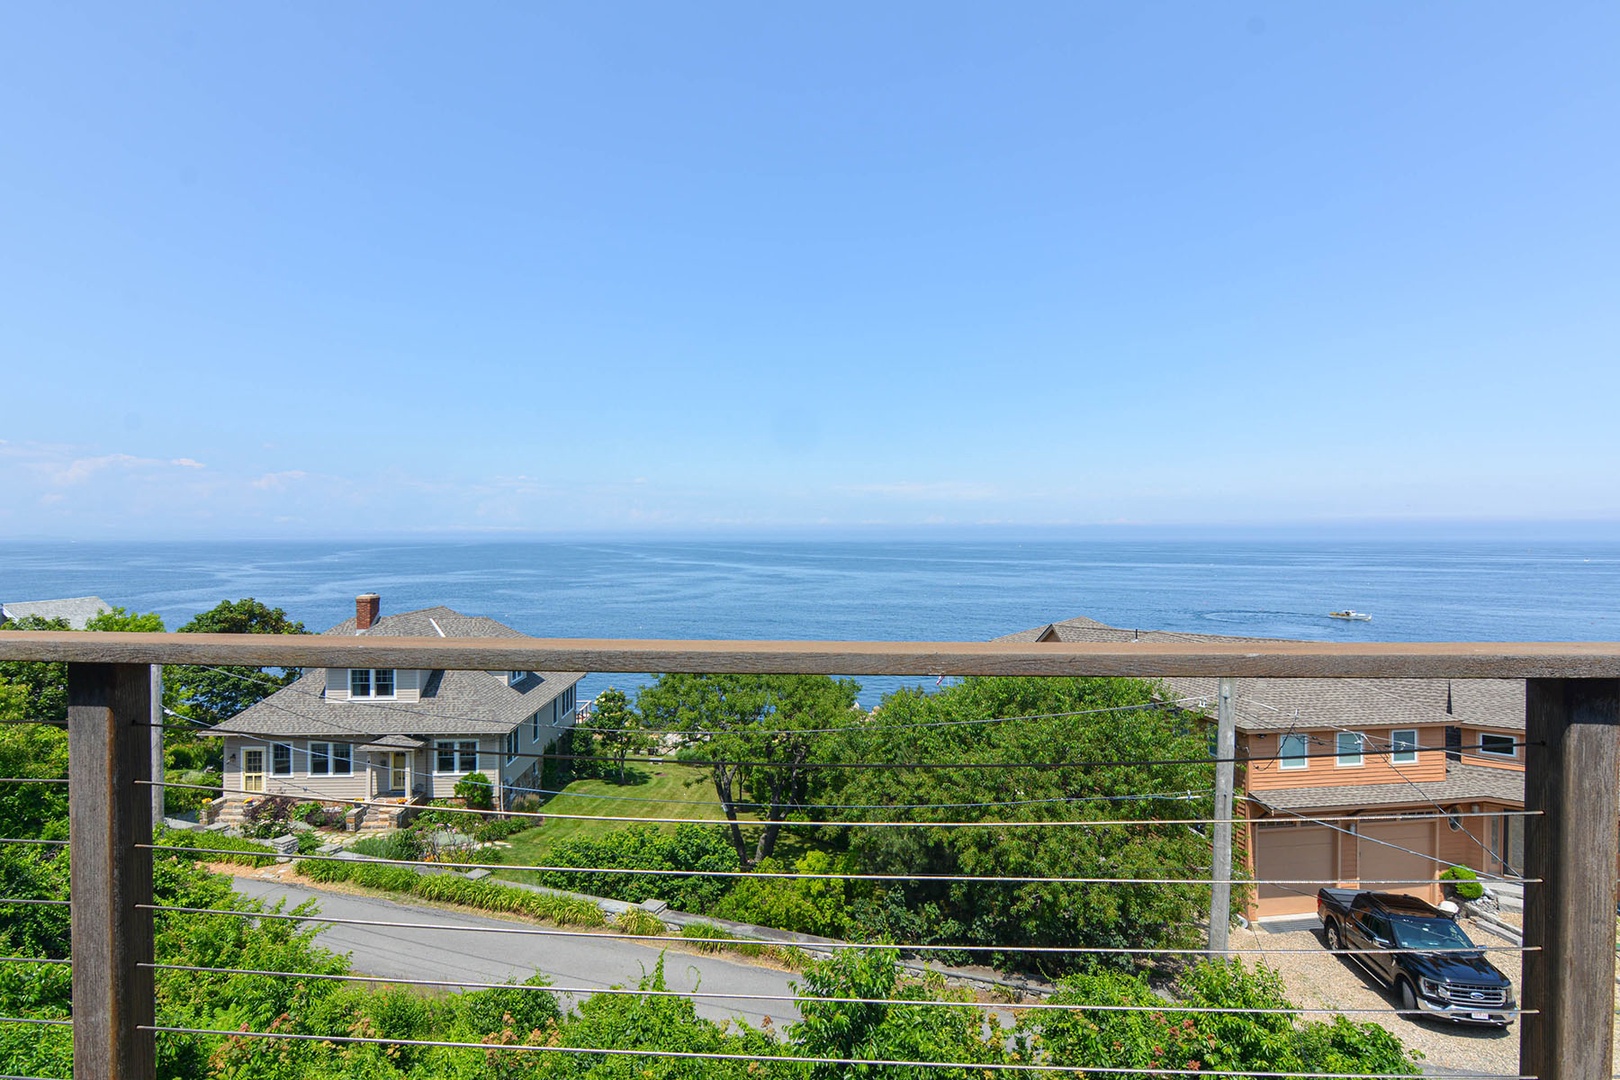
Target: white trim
point(1294, 762)
point(1513, 749)
point(1338, 750)
point(1403, 751)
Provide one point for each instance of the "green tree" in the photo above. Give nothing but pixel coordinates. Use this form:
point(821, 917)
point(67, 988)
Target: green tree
point(44, 686)
point(209, 695)
point(615, 730)
point(761, 734)
point(988, 747)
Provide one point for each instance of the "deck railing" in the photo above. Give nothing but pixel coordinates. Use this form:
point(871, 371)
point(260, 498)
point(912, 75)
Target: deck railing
point(1572, 787)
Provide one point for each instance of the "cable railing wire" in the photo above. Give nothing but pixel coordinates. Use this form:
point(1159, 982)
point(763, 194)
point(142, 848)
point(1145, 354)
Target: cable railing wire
point(540, 816)
point(821, 944)
point(789, 1059)
point(720, 995)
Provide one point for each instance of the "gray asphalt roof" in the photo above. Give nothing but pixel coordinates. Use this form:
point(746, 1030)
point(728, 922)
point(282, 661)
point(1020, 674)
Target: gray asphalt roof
point(1463, 783)
point(77, 610)
point(453, 702)
point(1283, 704)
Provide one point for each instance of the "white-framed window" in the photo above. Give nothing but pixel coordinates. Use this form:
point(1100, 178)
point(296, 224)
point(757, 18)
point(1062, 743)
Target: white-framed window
point(1293, 751)
point(515, 677)
point(371, 682)
point(331, 759)
point(1348, 748)
point(1403, 746)
point(456, 757)
point(534, 726)
point(512, 744)
point(1498, 745)
point(280, 759)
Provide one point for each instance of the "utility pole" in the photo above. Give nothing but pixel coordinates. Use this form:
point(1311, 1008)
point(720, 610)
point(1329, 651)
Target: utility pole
point(1220, 897)
point(157, 744)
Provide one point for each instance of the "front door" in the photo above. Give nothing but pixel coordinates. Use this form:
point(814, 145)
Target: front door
point(253, 770)
point(399, 771)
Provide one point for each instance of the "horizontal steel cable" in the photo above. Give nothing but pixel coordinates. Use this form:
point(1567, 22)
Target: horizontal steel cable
point(824, 945)
point(540, 816)
point(32, 960)
point(33, 779)
point(31, 900)
point(1004, 879)
point(34, 1020)
point(720, 996)
point(788, 1059)
point(40, 843)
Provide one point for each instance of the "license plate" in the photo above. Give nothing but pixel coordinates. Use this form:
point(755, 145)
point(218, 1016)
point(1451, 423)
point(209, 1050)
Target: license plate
point(1479, 1016)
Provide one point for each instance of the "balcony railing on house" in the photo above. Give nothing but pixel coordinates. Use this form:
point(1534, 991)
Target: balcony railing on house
point(1572, 784)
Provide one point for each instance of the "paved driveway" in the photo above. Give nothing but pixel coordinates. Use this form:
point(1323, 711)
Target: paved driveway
point(589, 962)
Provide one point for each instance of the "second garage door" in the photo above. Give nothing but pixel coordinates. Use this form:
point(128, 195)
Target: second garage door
point(1393, 854)
point(1297, 853)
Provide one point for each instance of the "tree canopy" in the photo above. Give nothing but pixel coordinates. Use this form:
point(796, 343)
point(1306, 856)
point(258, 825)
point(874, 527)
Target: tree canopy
point(209, 695)
point(761, 735)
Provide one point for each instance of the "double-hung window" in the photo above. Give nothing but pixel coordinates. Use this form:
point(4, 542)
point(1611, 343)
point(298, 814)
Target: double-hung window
point(512, 744)
point(1348, 748)
point(534, 727)
point(371, 682)
point(331, 759)
point(281, 759)
point(1293, 751)
point(457, 757)
point(1403, 746)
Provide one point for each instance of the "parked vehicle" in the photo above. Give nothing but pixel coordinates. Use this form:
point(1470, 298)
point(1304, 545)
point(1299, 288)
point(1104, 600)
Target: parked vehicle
point(1419, 952)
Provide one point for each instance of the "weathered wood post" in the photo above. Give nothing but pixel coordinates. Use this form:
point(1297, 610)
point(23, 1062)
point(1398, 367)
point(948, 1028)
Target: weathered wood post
point(1220, 897)
point(109, 812)
point(1571, 728)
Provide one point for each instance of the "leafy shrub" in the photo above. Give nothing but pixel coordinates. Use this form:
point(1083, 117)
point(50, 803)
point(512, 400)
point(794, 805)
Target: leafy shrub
point(645, 847)
point(526, 804)
point(706, 932)
point(523, 1007)
point(476, 790)
point(805, 905)
point(178, 800)
point(1463, 882)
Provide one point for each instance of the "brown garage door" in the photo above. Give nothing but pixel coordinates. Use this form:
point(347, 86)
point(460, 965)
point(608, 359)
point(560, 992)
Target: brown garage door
point(1295, 853)
point(1387, 857)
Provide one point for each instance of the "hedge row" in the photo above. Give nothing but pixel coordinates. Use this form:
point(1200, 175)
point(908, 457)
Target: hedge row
point(244, 852)
point(455, 889)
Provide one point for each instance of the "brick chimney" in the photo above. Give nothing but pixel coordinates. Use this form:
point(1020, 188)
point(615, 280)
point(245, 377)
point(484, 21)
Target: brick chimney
point(366, 609)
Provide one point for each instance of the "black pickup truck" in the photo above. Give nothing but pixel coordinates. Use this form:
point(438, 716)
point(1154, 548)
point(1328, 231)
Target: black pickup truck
point(1419, 952)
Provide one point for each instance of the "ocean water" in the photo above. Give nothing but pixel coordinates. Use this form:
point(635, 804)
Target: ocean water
point(871, 590)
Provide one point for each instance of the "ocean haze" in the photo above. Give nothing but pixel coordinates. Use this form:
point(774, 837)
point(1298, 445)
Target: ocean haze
point(1416, 590)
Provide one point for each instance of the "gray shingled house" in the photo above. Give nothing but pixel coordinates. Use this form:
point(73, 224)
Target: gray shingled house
point(1346, 780)
point(390, 737)
point(76, 611)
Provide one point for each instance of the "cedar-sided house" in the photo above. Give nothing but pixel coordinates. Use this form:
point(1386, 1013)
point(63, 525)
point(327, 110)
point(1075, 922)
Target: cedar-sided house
point(1344, 778)
point(399, 736)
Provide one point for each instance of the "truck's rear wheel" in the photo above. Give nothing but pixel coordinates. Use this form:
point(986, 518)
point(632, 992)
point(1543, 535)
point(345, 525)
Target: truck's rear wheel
point(1330, 933)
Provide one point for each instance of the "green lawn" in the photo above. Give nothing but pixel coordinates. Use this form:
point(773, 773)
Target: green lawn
point(659, 792)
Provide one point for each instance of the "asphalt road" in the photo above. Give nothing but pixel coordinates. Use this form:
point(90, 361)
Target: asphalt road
point(587, 962)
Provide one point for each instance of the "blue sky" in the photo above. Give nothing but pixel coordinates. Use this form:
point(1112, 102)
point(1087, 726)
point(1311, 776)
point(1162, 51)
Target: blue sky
point(315, 270)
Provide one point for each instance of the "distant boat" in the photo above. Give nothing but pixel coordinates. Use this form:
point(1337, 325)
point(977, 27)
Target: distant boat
point(1358, 616)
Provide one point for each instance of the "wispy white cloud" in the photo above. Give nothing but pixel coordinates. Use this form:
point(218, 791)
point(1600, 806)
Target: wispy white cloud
point(952, 490)
point(278, 481)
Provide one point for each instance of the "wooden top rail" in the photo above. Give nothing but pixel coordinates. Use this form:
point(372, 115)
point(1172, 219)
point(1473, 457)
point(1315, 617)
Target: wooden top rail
point(1142, 659)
